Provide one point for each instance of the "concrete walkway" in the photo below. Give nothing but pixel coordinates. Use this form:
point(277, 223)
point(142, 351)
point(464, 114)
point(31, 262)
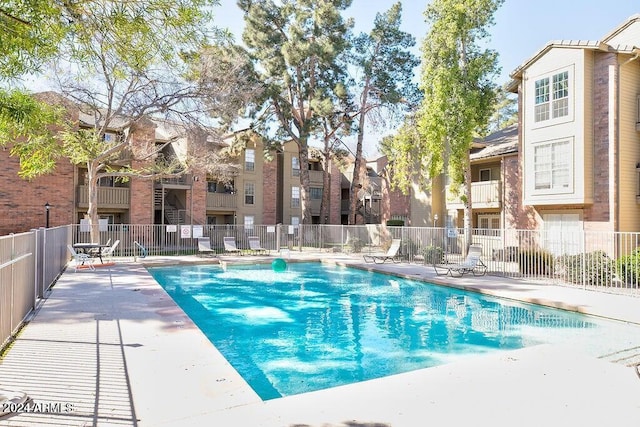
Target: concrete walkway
point(110, 347)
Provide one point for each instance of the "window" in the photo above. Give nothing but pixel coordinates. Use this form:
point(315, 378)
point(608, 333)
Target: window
point(248, 222)
point(542, 100)
point(489, 225)
point(212, 186)
point(249, 193)
point(552, 166)
point(485, 174)
point(315, 193)
point(552, 97)
point(295, 221)
point(249, 159)
point(560, 95)
point(295, 197)
point(295, 166)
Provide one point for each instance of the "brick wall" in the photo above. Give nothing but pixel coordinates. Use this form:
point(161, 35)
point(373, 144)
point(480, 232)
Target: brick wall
point(269, 193)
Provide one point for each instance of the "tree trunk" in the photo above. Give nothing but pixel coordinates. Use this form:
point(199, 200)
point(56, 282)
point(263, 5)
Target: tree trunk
point(326, 186)
point(355, 181)
point(303, 150)
point(468, 210)
point(92, 212)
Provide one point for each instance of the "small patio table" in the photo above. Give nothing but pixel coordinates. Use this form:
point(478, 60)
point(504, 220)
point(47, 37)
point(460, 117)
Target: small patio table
point(91, 249)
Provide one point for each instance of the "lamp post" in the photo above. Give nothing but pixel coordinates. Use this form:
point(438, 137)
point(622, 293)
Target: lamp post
point(435, 220)
point(47, 207)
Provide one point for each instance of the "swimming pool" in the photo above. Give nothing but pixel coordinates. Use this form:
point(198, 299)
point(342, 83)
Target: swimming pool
point(316, 326)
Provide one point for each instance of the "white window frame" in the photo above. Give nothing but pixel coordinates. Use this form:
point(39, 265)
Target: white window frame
point(249, 191)
point(295, 197)
point(249, 159)
point(295, 166)
point(492, 224)
point(553, 167)
point(249, 221)
point(551, 96)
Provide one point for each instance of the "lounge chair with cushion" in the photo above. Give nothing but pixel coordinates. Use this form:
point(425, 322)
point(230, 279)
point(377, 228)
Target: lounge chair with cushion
point(81, 259)
point(230, 245)
point(391, 255)
point(472, 264)
point(255, 246)
point(204, 246)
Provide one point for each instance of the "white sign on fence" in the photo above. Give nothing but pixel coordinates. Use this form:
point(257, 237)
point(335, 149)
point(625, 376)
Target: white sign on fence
point(172, 228)
point(185, 231)
point(197, 231)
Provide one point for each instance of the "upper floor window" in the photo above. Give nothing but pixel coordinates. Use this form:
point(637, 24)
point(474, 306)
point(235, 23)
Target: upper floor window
point(295, 166)
point(315, 193)
point(249, 159)
point(485, 174)
point(552, 166)
point(249, 220)
point(109, 137)
point(249, 193)
point(295, 197)
point(552, 97)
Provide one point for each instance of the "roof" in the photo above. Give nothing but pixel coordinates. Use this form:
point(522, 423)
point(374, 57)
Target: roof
point(603, 45)
point(504, 141)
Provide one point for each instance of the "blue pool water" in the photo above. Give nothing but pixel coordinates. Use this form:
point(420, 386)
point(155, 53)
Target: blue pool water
point(315, 326)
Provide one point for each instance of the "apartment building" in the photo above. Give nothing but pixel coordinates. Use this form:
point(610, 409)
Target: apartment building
point(579, 112)
point(265, 189)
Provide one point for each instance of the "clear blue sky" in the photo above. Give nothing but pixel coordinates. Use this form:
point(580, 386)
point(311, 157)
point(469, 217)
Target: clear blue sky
point(522, 26)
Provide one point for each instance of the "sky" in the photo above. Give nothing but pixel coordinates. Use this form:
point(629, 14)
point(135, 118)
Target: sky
point(522, 27)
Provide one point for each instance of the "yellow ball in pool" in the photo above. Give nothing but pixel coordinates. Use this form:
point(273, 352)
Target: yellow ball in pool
point(279, 264)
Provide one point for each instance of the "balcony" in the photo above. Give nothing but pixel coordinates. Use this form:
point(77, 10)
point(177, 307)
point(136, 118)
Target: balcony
point(108, 197)
point(315, 177)
point(484, 195)
point(221, 201)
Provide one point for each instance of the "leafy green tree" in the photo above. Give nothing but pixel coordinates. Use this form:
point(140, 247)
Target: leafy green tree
point(385, 65)
point(122, 63)
point(459, 94)
point(296, 46)
point(505, 110)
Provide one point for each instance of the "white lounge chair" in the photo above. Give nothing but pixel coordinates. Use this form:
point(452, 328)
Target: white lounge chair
point(80, 259)
point(108, 251)
point(254, 245)
point(391, 255)
point(230, 245)
point(472, 264)
point(204, 246)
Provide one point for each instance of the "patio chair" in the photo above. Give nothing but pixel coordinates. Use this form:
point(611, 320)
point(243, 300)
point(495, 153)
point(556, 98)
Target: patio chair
point(230, 245)
point(204, 247)
point(391, 255)
point(108, 251)
point(254, 245)
point(81, 259)
point(472, 264)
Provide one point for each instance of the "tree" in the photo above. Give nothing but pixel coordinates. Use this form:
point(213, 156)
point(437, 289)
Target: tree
point(125, 63)
point(295, 45)
point(505, 111)
point(459, 93)
point(386, 66)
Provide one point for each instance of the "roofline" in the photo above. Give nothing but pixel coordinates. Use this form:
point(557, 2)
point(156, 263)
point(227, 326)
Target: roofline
point(617, 30)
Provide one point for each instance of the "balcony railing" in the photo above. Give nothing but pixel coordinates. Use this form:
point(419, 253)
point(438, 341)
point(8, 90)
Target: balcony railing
point(315, 177)
point(484, 195)
point(108, 197)
point(221, 201)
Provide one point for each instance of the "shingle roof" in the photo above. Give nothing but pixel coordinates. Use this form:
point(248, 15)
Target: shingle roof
point(504, 141)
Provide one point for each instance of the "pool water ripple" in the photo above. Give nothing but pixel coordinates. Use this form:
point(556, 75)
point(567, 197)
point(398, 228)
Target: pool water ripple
point(315, 326)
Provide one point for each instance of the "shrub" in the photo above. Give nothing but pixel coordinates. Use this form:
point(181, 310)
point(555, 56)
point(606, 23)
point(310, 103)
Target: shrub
point(395, 222)
point(535, 262)
point(432, 254)
point(629, 267)
point(356, 244)
point(592, 268)
point(407, 247)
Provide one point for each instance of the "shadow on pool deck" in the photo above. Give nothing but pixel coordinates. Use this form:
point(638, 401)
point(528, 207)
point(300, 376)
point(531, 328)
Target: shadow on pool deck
point(110, 347)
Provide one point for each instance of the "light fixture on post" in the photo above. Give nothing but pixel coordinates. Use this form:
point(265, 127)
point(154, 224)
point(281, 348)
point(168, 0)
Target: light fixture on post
point(435, 220)
point(47, 208)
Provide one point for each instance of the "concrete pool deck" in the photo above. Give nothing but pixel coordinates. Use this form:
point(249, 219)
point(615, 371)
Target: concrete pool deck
point(110, 347)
